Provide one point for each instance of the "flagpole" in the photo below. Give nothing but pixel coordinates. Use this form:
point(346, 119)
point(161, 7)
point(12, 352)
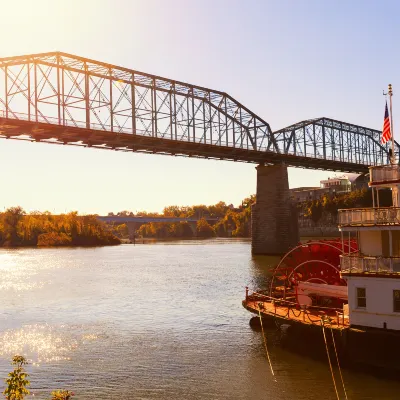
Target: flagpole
point(393, 158)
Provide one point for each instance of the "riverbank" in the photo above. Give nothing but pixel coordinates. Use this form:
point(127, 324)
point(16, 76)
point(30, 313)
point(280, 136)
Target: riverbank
point(189, 240)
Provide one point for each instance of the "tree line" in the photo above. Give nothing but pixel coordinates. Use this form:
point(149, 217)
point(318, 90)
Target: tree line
point(324, 211)
point(231, 221)
point(18, 228)
point(236, 222)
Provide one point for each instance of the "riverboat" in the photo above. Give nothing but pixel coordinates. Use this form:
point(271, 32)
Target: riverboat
point(349, 287)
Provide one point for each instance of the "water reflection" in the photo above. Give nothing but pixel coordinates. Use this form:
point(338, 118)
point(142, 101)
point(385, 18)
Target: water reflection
point(261, 271)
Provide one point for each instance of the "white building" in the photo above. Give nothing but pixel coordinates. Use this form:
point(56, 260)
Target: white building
point(331, 186)
point(338, 184)
point(373, 273)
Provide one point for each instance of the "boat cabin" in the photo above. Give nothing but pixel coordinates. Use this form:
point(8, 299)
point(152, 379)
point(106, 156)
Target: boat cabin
point(373, 272)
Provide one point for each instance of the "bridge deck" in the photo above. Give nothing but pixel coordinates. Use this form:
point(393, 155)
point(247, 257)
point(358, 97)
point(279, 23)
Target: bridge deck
point(11, 128)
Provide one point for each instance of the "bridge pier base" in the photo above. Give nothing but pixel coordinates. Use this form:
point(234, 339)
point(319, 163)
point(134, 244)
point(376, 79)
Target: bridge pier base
point(274, 228)
point(132, 226)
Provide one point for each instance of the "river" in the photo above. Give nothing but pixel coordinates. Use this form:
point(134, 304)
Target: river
point(152, 321)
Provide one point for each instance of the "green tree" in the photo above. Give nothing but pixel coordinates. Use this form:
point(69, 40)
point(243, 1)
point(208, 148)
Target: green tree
point(17, 382)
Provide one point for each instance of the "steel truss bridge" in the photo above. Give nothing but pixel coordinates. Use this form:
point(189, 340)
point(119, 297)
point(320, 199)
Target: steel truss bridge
point(65, 99)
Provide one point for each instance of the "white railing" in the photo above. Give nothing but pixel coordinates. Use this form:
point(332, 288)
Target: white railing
point(369, 216)
point(360, 264)
point(384, 173)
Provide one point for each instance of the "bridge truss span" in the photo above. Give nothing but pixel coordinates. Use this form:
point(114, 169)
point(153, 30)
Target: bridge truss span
point(75, 92)
point(335, 141)
point(65, 99)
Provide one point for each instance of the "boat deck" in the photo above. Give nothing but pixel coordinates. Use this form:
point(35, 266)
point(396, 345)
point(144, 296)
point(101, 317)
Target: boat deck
point(292, 312)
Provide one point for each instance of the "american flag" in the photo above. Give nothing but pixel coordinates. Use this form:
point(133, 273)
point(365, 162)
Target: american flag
point(386, 134)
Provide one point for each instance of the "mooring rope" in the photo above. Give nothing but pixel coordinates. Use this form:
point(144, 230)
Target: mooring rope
point(337, 360)
point(265, 344)
point(329, 359)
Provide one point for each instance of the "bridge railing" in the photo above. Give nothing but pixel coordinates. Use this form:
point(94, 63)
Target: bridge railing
point(66, 122)
point(82, 124)
point(384, 173)
point(363, 264)
point(369, 216)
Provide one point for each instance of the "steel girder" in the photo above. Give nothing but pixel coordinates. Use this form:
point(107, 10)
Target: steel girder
point(328, 139)
point(65, 99)
point(63, 89)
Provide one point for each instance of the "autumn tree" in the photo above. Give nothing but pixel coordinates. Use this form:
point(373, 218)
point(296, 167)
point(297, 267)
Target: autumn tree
point(204, 229)
point(11, 218)
point(44, 229)
point(314, 211)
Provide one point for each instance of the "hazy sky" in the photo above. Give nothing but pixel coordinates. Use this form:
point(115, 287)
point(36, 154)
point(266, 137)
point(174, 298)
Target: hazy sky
point(285, 60)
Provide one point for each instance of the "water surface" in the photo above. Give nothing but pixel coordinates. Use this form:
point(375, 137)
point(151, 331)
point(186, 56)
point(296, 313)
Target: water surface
point(152, 321)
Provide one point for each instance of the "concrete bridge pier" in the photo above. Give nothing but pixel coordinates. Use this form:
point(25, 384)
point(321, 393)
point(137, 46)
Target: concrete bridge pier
point(132, 227)
point(274, 228)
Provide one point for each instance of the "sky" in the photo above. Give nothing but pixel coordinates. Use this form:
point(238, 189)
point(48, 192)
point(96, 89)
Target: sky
point(285, 60)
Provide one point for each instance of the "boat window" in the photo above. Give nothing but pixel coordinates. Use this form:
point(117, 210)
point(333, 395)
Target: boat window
point(396, 300)
point(361, 297)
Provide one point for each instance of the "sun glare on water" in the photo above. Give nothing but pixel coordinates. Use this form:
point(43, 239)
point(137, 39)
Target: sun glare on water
point(20, 276)
point(42, 344)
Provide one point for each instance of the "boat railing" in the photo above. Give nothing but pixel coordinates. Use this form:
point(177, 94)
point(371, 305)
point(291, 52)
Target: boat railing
point(369, 216)
point(353, 264)
point(384, 173)
point(312, 314)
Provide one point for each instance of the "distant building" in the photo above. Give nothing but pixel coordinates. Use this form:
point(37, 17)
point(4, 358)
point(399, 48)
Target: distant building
point(338, 184)
point(331, 186)
point(301, 194)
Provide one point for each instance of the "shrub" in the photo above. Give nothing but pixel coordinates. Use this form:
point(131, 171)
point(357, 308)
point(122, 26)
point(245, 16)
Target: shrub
point(17, 381)
point(61, 395)
point(54, 239)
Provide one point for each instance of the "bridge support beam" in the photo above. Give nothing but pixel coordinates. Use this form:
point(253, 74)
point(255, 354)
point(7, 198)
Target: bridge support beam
point(274, 228)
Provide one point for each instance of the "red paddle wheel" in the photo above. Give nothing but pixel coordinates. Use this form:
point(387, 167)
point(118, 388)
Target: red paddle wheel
point(313, 261)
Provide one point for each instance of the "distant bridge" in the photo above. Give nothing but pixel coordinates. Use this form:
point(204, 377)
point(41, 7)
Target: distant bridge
point(134, 222)
point(145, 220)
point(65, 99)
